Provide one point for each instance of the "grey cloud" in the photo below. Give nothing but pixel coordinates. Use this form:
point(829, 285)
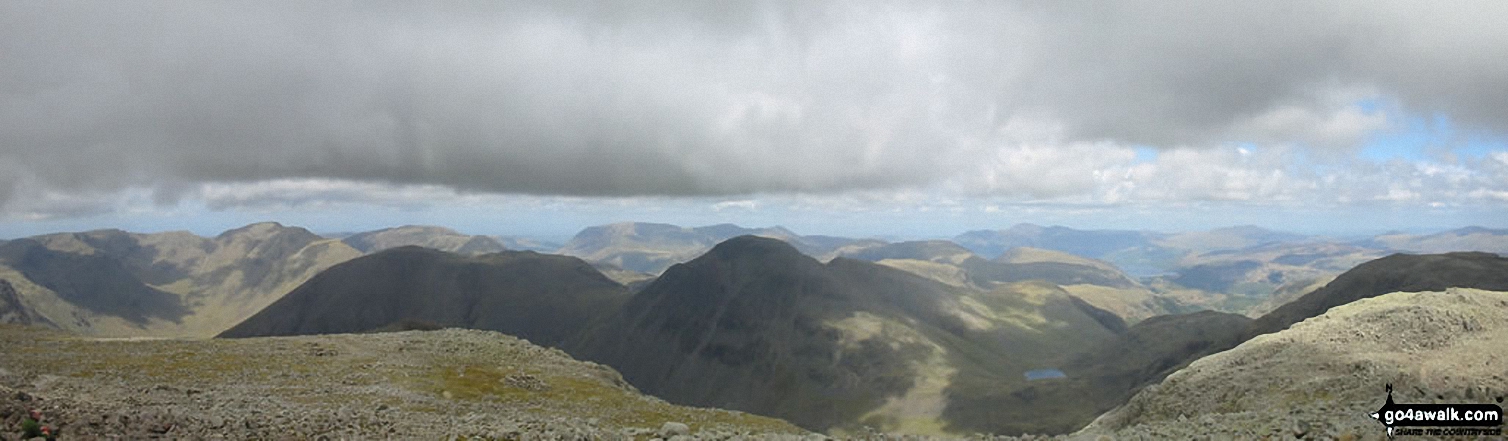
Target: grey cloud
point(688, 98)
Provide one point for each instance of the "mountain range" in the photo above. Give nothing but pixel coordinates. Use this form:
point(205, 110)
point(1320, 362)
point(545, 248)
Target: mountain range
point(175, 284)
point(837, 335)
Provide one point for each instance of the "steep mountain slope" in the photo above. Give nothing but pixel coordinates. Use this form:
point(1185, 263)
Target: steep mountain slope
point(1097, 379)
point(13, 310)
point(755, 325)
point(1321, 377)
point(543, 298)
point(443, 384)
point(440, 238)
point(1398, 272)
point(115, 283)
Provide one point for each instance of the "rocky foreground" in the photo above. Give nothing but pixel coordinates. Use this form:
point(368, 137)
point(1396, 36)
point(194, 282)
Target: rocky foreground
point(1320, 378)
point(407, 385)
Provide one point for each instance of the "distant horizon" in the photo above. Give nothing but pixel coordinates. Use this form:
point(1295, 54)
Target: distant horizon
point(562, 238)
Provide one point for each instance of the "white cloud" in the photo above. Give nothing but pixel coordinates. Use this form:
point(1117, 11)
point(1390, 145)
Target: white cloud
point(745, 205)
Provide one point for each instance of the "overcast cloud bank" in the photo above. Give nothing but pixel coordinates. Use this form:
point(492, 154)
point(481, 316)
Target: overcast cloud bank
point(298, 103)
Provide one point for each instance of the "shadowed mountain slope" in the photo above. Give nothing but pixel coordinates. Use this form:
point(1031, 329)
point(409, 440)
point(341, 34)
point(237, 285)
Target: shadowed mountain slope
point(1395, 273)
point(754, 325)
point(13, 310)
point(114, 283)
point(1109, 374)
point(1097, 379)
point(543, 298)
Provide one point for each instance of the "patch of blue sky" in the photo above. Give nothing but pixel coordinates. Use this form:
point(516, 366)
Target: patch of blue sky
point(1370, 105)
point(1432, 138)
point(1144, 154)
point(1410, 142)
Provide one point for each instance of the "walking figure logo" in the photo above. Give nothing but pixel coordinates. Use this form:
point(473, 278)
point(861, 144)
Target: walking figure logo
point(1440, 419)
point(1386, 407)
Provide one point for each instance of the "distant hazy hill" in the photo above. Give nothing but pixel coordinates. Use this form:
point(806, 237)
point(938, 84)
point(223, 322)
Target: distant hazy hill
point(1243, 280)
point(1230, 238)
point(1087, 243)
point(1139, 253)
point(543, 298)
point(439, 238)
point(1322, 377)
point(111, 282)
point(755, 325)
point(650, 247)
point(527, 244)
point(1461, 239)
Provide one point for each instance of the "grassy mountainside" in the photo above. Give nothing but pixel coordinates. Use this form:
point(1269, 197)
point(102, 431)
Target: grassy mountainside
point(1321, 377)
point(1096, 282)
point(115, 283)
point(439, 238)
point(543, 298)
point(755, 325)
point(407, 385)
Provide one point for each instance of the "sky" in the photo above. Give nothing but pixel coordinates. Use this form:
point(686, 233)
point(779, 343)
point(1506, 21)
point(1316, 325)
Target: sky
point(863, 118)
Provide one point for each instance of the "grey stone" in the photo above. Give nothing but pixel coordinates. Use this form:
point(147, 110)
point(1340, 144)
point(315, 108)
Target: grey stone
point(671, 428)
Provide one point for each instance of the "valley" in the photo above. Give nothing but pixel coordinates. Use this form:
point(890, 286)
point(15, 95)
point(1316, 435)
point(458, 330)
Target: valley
point(838, 336)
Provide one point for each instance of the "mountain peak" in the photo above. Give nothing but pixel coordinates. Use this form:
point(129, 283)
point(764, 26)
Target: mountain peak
point(754, 245)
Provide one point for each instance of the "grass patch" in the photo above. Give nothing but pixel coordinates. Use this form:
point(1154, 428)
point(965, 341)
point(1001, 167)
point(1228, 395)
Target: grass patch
point(578, 395)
